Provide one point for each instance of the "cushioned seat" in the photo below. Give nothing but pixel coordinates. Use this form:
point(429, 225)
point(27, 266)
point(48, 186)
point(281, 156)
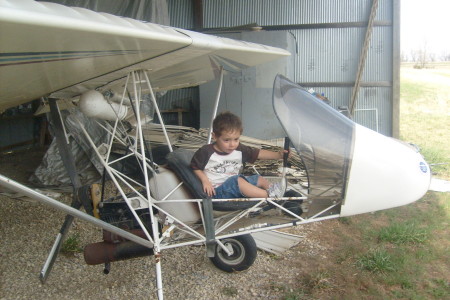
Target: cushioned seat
point(179, 161)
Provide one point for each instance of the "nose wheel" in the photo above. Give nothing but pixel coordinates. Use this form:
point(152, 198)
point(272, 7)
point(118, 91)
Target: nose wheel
point(240, 255)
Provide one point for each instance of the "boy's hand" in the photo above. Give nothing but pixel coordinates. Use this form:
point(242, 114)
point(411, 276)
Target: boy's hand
point(282, 152)
point(208, 189)
point(207, 186)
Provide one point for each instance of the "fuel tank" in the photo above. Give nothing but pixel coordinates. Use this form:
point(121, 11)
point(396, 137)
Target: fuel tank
point(162, 185)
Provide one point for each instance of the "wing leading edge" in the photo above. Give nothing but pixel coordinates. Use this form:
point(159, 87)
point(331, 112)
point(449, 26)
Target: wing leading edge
point(50, 48)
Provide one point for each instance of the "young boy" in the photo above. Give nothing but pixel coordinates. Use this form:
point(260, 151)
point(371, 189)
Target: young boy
point(218, 165)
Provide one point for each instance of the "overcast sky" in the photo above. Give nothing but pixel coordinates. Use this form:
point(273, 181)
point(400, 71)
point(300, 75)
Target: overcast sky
point(425, 21)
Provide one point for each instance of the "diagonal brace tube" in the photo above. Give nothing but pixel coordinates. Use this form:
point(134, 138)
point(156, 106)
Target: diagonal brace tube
point(20, 188)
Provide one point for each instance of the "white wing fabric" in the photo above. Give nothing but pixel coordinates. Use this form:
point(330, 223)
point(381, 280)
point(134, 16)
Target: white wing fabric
point(48, 47)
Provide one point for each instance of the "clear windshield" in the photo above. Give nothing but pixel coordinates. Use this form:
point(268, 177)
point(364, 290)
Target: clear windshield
point(323, 138)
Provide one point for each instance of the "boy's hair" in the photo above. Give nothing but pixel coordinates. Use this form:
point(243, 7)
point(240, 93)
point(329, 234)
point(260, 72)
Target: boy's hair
point(226, 121)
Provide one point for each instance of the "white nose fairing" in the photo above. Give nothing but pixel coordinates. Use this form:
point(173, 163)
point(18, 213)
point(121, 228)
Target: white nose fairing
point(385, 173)
point(347, 164)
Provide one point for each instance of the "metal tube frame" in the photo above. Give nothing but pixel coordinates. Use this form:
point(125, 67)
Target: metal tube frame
point(155, 240)
point(216, 105)
point(22, 189)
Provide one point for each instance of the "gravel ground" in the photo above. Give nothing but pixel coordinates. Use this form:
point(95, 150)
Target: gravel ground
point(28, 230)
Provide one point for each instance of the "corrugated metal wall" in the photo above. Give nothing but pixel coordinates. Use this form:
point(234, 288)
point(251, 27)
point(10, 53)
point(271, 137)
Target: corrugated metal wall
point(284, 12)
point(187, 100)
point(181, 13)
point(329, 46)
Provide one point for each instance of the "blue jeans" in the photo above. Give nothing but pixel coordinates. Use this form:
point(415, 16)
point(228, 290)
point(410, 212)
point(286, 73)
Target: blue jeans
point(230, 188)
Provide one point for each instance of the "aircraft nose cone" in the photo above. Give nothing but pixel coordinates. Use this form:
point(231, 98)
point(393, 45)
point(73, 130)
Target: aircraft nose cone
point(384, 173)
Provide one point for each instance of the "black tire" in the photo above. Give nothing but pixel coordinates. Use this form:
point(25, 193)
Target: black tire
point(244, 254)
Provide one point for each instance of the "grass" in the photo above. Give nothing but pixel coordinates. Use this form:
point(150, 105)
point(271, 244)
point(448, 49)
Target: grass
point(71, 245)
point(404, 233)
point(425, 114)
point(400, 253)
point(403, 252)
point(319, 280)
point(376, 260)
point(298, 294)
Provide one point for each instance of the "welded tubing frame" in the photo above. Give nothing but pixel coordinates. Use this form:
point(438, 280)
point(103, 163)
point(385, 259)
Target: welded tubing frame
point(216, 105)
point(152, 95)
point(22, 189)
point(8, 183)
point(257, 227)
point(117, 176)
point(138, 149)
point(155, 241)
point(234, 216)
point(139, 139)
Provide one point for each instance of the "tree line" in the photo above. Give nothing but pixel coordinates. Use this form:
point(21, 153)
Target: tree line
point(422, 57)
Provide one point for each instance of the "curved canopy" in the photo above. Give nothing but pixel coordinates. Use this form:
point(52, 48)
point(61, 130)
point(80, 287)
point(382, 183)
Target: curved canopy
point(322, 136)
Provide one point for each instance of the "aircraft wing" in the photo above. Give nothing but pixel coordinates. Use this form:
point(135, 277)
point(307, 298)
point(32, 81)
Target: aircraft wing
point(50, 48)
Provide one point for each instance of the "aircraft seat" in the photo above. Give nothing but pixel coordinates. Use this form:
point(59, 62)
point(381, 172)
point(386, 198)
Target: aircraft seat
point(179, 161)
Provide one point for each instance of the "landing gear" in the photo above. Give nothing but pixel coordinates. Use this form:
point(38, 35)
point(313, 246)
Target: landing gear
point(242, 253)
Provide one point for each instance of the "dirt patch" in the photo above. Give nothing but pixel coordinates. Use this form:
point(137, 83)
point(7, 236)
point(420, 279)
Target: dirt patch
point(330, 273)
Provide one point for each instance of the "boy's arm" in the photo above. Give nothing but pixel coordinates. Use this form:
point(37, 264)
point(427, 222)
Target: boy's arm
point(207, 186)
point(266, 154)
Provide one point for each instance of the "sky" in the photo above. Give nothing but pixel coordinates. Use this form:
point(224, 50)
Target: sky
point(425, 22)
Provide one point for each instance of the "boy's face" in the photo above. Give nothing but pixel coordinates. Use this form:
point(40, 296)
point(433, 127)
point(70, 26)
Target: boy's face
point(228, 141)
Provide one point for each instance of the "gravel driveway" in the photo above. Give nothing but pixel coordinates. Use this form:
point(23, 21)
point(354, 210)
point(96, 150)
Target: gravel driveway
point(28, 230)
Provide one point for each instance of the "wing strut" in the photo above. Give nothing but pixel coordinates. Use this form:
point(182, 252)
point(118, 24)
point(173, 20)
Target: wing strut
point(69, 164)
point(216, 104)
point(154, 221)
point(157, 111)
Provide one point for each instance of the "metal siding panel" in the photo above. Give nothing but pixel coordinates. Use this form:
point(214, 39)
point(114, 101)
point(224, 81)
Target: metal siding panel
point(379, 98)
point(182, 98)
point(285, 12)
point(187, 98)
point(281, 12)
point(338, 96)
point(332, 55)
point(369, 116)
point(324, 55)
point(371, 101)
point(385, 12)
point(328, 55)
point(379, 59)
point(181, 13)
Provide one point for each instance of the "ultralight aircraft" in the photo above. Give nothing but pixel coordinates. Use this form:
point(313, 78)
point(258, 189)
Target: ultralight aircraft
point(108, 65)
